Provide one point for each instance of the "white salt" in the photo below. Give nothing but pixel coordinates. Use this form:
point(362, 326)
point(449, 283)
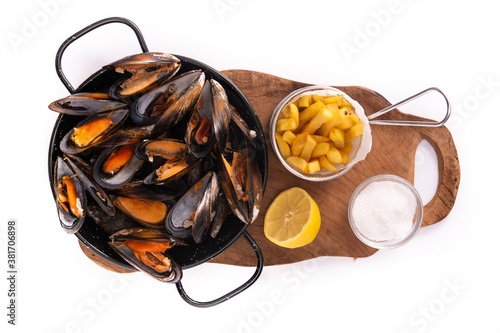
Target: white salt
point(384, 210)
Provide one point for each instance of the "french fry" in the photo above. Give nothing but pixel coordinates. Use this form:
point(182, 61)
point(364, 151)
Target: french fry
point(308, 148)
point(298, 144)
point(289, 136)
point(305, 101)
point(338, 137)
point(326, 164)
point(294, 114)
point(334, 155)
point(297, 163)
point(283, 147)
point(313, 166)
point(321, 148)
point(285, 124)
point(319, 119)
point(354, 132)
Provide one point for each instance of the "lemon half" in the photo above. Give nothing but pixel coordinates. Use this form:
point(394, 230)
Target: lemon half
point(293, 219)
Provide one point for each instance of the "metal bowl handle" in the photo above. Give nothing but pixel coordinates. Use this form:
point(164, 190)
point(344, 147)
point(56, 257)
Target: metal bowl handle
point(255, 276)
point(86, 30)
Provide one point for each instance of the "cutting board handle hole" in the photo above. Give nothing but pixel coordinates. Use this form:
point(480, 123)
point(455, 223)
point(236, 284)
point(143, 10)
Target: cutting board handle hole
point(426, 177)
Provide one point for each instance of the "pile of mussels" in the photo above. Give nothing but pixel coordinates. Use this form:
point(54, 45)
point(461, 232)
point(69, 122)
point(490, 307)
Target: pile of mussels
point(166, 151)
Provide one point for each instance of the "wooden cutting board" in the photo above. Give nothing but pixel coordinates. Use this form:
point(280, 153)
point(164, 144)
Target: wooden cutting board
point(393, 152)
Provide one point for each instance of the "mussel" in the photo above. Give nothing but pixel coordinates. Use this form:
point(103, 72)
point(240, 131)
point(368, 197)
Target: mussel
point(181, 107)
point(193, 213)
point(116, 166)
point(149, 107)
point(84, 173)
point(86, 104)
point(145, 250)
point(199, 135)
point(92, 130)
point(70, 197)
point(149, 213)
point(143, 72)
point(176, 160)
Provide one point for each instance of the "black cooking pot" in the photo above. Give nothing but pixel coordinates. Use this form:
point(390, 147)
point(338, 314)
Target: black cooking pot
point(94, 237)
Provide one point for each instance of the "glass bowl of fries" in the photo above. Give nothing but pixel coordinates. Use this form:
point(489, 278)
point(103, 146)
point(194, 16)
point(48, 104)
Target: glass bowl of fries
point(318, 133)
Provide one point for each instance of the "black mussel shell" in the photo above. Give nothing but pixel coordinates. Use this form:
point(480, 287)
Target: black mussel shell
point(112, 120)
point(200, 136)
point(127, 135)
point(118, 243)
point(145, 71)
point(120, 177)
point(100, 196)
point(148, 108)
point(86, 104)
point(71, 219)
point(221, 115)
point(206, 210)
point(180, 218)
point(181, 107)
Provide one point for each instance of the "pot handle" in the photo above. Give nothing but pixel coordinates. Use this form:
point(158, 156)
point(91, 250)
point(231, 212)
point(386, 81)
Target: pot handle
point(255, 276)
point(86, 30)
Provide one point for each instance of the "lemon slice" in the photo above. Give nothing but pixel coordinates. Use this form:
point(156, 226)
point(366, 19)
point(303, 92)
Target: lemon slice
point(293, 219)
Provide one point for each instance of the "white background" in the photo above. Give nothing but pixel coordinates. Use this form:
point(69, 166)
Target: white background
point(446, 279)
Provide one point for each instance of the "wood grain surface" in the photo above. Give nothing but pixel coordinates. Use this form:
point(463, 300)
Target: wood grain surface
point(393, 152)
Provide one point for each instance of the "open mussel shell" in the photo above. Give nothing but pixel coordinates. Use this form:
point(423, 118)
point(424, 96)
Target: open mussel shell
point(205, 212)
point(82, 170)
point(145, 249)
point(221, 114)
point(144, 72)
point(179, 220)
point(92, 130)
point(149, 213)
point(181, 107)
point(86, 104)
point(172, 169)
point(200, 136)
point(116, 166)
point(136, 189)
point(71, 201)
point(241, 180)
point(163, 148)
point(148, 109)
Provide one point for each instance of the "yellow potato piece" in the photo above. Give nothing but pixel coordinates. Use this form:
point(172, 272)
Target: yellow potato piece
point(285, 113)
point(308, 148)
point(320, 138)
point(283, 147)
point(333, 99)
point(334, 155)
point(313, 166)
point(289, 136)
point(294, 114)
point(298, 144)
point(326, 164)
point(319, 119)
point(355, 119)
point(321, 148)
point(338, 137)
point(345, 123)
point(285, 124)
point(354, 132)
point(316, 98)
point(310, 111)
point(305, 101)
point(297, 163)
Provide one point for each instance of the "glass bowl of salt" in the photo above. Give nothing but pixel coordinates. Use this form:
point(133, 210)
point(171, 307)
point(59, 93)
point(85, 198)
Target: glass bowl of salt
point(385, 211)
